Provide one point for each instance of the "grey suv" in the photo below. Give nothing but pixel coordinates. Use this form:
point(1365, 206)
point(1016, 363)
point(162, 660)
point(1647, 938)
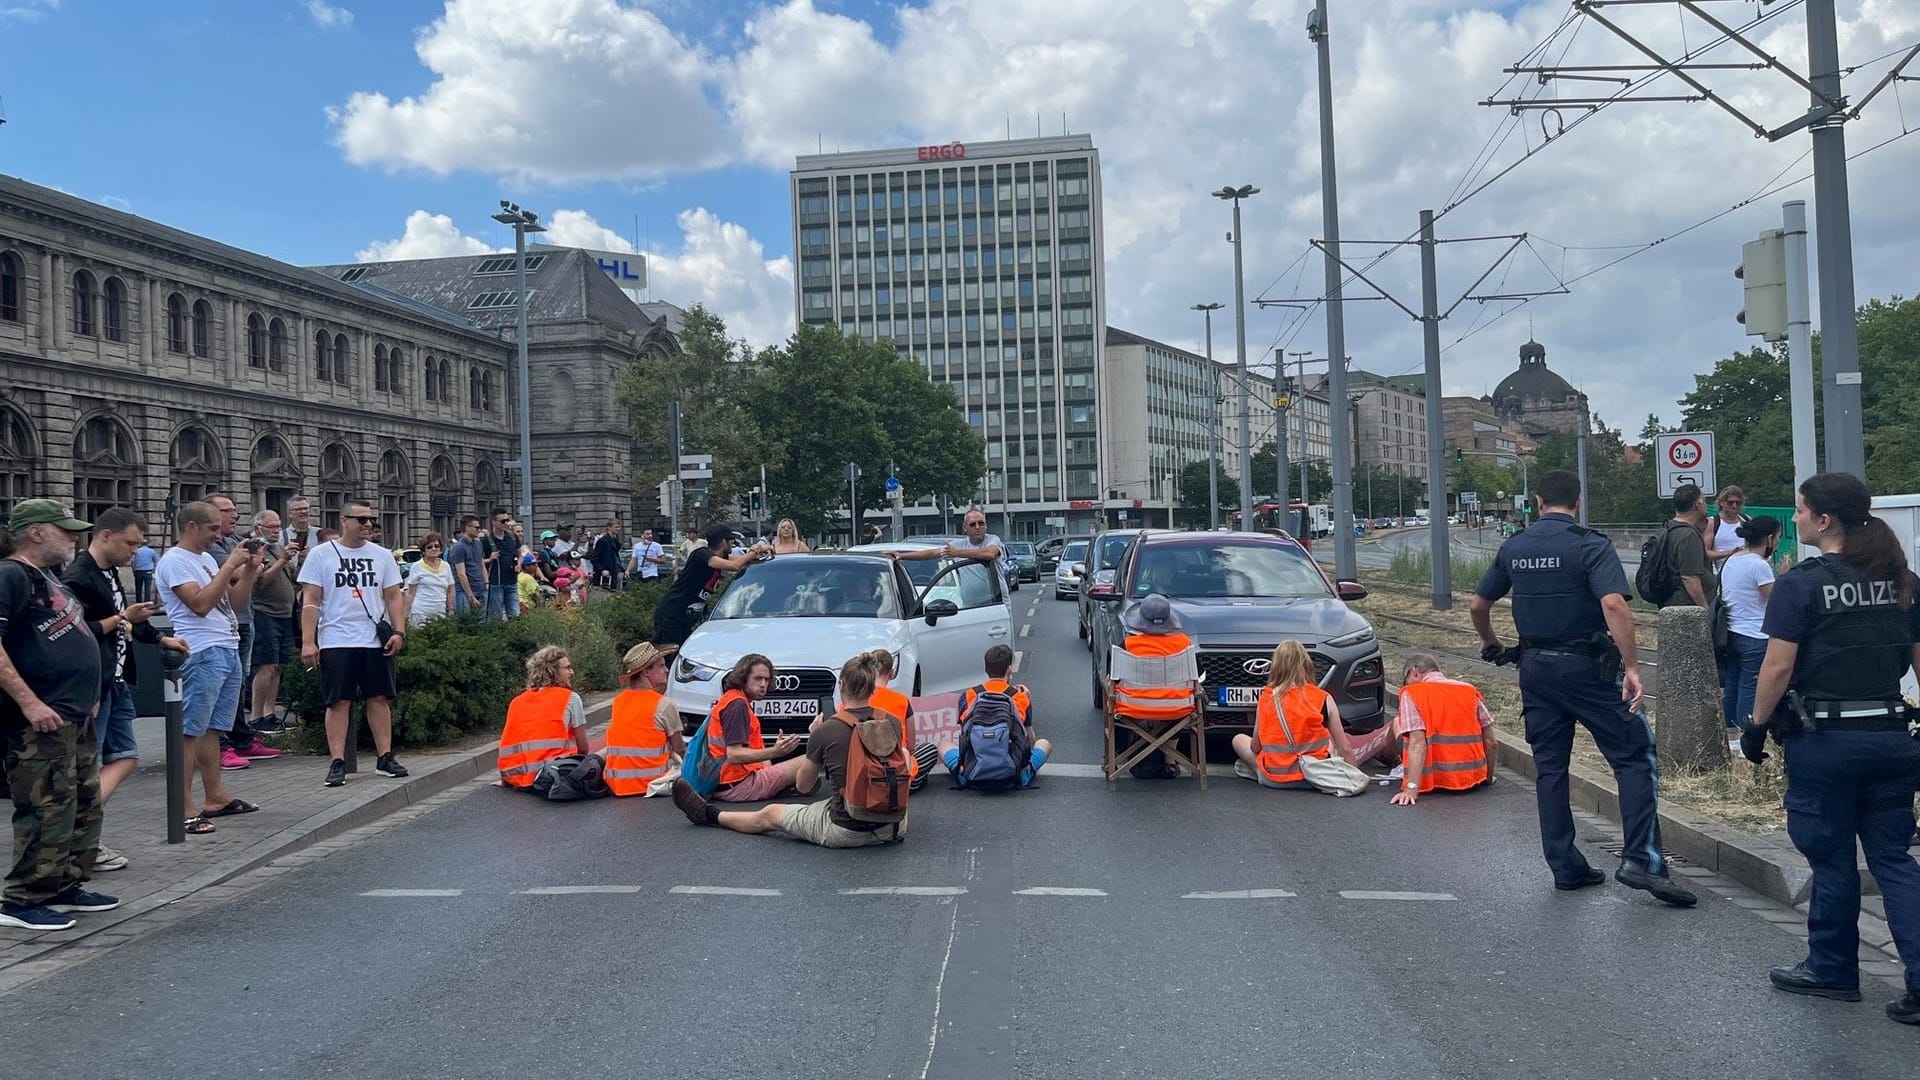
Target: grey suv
point(1238, 595)
point(1103, 558)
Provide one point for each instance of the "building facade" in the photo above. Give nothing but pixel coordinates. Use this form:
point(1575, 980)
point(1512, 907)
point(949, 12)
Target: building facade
point(983, 261)
point(1158, 410)
point(142, 366)
point(1390, 424)
point(1473, 425)
point(1538, 400)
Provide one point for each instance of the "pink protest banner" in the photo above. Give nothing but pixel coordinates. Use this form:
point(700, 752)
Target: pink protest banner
point(936, 720)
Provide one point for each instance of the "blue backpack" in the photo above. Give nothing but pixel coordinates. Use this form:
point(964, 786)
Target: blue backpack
point(700, 768)
point(995, 745)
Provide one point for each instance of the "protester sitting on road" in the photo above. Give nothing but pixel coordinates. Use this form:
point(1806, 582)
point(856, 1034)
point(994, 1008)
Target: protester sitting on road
point(999, 664)
point(899, 706)
point(1295, 719)
point(544, 722)
point(684, 606)
point(1153, 630)
point(1746, 581)
point(830, 750)
point(786, 538)
point(1446, 730)
point(644, 746)
point(750, 771)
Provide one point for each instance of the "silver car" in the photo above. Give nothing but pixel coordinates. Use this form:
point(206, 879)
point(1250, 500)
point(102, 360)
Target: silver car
point(1066, 576)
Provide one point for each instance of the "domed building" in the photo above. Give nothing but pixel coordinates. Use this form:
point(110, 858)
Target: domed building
point(1538, 400)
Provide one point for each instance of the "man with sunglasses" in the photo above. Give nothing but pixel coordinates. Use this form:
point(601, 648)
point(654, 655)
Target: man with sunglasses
point(355, 622)
point(978, 544)
point(1723, 535)
point(500, 553)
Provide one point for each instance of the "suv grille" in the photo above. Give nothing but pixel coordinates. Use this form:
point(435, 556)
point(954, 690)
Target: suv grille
point(1229, 668)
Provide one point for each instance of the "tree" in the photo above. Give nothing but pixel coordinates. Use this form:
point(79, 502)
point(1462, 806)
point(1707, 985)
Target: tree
point(1744, 402)
point(706, 376)
point(1193, 492)
point(1890, 378)
point(1319, 477)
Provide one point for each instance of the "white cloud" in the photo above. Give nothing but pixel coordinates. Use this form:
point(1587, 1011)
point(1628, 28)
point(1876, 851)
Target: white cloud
point(577, 228)
point(328, 17)
point(27, 10)
point(427, 236)
point(549, 89)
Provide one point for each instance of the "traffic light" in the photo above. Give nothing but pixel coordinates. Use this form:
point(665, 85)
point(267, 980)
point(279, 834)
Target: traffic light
point(1459, 456)
point(1763, 268)
point(759, 506)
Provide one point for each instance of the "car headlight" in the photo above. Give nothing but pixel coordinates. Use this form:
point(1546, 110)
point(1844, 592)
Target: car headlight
point(1358, 637)
point(689, 671)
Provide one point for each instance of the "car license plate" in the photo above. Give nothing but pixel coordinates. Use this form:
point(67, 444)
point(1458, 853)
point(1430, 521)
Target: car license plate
point(786, 707)
point(1236, 697)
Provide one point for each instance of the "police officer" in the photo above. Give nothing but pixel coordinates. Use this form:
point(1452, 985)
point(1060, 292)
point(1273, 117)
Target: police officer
point(1843, 630)
point(1569, 592)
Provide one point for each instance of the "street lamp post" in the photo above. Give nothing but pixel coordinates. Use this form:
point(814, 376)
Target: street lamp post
point(523, 222)
point(1213, 415)
point(1234, 195)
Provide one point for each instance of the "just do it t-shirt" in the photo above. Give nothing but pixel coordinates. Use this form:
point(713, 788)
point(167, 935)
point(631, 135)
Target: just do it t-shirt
point(352, 581)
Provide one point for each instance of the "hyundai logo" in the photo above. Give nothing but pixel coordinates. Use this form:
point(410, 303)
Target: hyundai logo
point(790, 682)
point(1259, 665)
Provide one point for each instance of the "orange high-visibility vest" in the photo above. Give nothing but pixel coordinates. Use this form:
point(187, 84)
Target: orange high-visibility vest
point(1139, 703)
point(637, 751)
point(1292, 728)
point(1456, 750)
point(886, 699)
point(1022, 701)
point(535, 734)
point(717, 739)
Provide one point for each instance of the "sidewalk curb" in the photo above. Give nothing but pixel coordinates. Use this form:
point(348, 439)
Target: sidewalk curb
point(1768, 866)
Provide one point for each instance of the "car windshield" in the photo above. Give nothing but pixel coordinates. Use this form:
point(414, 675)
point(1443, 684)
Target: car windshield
point(799, 587)
point(1195, 570)
point(1019, 547)
point(1073, 553)
point(1111, 548)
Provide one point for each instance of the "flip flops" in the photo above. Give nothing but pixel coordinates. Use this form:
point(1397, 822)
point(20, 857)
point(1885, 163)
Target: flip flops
point(237, 806)
point(199, 825)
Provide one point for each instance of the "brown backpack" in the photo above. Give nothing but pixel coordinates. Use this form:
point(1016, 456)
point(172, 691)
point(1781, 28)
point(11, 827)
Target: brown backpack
point(877, 771)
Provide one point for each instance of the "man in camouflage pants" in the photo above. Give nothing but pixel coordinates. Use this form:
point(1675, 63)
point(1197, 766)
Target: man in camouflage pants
point(49, 692)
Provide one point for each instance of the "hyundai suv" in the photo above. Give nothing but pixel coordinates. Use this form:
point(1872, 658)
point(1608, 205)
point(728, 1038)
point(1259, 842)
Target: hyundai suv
point(1238, 595)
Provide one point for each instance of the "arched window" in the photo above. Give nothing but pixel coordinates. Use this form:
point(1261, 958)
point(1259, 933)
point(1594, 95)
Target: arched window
point(19, 458)
point(275, 473)
point(202, 328)
point(83, 290)
point(430, 377)
point(443, 487)
point(486, 488)
point(446, 380)
point(105, 461)
point(339, 481)
point(177, 324)
point(12, 286)
point(323, 356)
point(396, 483)
point(113, 309)
point(256, 341)
point(342, 359)
point(396, 372)
point(473, 389)
point(563, 396)
point(196, 468)
point(380, 368)
point(489, 387)
point(277, 345)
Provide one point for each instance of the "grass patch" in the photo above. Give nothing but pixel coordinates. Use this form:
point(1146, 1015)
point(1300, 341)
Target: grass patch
point(1416, 568)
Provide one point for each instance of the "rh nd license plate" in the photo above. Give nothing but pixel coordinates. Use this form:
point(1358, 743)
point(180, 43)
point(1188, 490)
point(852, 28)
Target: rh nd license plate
point(785, 707)
point(1242, 697)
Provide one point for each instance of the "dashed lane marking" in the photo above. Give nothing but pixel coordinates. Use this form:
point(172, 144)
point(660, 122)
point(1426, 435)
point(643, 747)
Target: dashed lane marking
point(1242, 894)
point(1018, 656)
point(1027, 630)
point(1076, 770)
point(1372, 894)
point(411, 892)
point(580, 890)
point(906, 890)
point(720, 890)
point(1053, 890)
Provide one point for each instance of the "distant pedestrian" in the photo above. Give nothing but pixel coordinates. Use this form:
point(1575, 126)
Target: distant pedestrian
point(605, 557)
point(276, 593)
point(647, 558)
point(684, 606)
point(500, 553)
point(50, 675)
point(144, 560)
point(429, 584)
point(1723, 529)
point(787, 539)
point(238, 746)
point(563, 540)
point(300, 526)
point(355, 625)
point(1686, 552)
point(1746, 580)
point(469, 567)
point(978, 544)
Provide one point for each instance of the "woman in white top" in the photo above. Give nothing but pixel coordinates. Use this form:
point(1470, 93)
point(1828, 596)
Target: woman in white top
point(1746, 580)
point(786, 538)
point(430, 583)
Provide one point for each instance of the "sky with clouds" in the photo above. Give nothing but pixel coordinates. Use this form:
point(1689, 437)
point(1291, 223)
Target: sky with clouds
point(318, 131)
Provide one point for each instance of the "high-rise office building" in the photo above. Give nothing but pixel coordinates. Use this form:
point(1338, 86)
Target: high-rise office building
point(983, 261)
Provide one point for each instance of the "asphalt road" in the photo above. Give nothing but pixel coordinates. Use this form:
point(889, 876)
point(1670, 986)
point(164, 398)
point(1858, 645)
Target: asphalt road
point(1068, 931)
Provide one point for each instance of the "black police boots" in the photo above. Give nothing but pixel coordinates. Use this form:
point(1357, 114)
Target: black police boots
point(1664, 888)
point(1587, 879)
point(1906, 1010)
point(1798, 980)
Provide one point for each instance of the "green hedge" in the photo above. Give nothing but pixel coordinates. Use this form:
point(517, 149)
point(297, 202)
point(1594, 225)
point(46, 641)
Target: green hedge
point(457, 675)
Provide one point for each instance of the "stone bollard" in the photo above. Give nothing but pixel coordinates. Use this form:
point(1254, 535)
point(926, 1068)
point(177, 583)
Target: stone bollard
point(1689, 732)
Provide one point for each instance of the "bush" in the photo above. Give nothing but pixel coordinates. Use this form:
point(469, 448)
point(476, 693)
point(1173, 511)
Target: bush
point(628, 616)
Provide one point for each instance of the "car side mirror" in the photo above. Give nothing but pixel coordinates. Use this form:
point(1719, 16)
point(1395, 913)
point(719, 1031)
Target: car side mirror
point(1352, 590)
point(1080, 569)
point(940, 609)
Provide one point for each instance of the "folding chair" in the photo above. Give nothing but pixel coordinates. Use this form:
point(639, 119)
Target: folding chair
point(1181, 671)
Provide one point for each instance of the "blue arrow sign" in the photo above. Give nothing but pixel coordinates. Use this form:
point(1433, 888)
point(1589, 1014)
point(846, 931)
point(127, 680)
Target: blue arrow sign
point(893, 484)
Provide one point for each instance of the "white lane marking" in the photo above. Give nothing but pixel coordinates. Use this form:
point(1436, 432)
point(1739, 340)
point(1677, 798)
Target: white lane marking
point(940, 981)
point(1027, 630)
point(1077, 770)
point(1373, 894)
point(579, 890)
point(1017, 657)
point(1053, 890)
point(906, 890)
point(411, 892)
point(720, 890)
point(1242, 894)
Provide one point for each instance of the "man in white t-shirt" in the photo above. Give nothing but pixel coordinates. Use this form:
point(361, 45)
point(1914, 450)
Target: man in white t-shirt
point(353, 622)
point(193, 588)
point(648, 557)
point(977, 544)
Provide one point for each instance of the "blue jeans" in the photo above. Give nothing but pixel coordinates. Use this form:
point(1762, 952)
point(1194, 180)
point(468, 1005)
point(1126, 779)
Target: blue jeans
point(113, 727)
point(461, 603)
point(1740, 672)
point(951, 758)
point(210, 690)
point(1842, 785)
point(503, 601)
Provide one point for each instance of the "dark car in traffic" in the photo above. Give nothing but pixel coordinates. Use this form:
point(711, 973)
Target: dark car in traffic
point(1103, 558)
point(1238, 595)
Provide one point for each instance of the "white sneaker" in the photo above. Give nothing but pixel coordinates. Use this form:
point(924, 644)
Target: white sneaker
point(1242, 770)
point(1398, 772)
point(107, 859)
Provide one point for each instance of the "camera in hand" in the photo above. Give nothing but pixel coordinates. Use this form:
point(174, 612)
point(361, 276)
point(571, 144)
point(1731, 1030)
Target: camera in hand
point(253, 544)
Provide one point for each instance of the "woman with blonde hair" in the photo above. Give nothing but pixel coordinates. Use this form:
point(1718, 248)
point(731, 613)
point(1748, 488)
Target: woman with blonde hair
point(786, 538)
point(546, 721)
point(897, 705)
point(1296, 727)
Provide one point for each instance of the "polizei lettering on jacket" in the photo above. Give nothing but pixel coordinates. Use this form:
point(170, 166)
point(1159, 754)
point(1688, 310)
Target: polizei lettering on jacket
point(1848, 595)
point(1544, 562)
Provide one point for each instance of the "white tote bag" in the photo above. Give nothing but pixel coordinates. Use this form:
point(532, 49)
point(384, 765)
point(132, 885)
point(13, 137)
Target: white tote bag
point(1332, 774)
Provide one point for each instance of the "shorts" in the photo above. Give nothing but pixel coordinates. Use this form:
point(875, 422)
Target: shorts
point(812, 823)
point(113, 726)
point(950, 757)
point(355, 675)
point(210, 690)
point(760, 784)
point(273, 639)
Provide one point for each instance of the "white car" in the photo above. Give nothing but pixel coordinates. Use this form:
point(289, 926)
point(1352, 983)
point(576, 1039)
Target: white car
point(809, 613)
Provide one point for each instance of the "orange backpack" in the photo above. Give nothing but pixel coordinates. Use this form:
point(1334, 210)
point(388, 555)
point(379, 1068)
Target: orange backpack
point(877, 770)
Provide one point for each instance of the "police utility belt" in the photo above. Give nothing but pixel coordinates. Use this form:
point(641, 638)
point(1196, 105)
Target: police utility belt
point(1799, 714)
point(1596, 646)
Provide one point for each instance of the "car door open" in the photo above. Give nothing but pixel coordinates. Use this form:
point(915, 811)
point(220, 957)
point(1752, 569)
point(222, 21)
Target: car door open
point(959, 615)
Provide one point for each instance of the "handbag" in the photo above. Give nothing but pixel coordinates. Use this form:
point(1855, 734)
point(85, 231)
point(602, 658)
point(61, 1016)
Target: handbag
point(1332, 774)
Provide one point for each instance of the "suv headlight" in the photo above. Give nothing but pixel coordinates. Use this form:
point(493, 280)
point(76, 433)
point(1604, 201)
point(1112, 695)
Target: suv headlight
point(688, 671)
point(1358, 637)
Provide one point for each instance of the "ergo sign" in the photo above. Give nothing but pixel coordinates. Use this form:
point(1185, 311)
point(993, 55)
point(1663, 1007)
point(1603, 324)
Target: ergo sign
point(943, 153)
